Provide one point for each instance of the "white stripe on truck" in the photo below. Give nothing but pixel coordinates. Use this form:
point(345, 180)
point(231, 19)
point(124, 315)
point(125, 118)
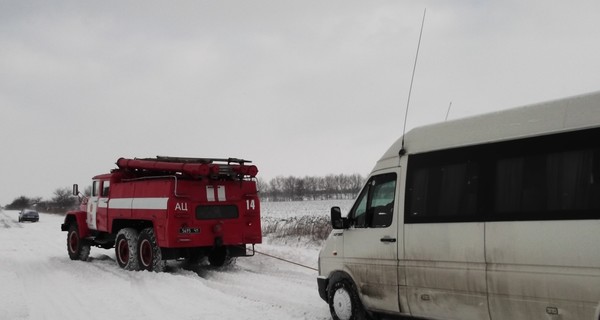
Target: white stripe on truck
point(138, 203)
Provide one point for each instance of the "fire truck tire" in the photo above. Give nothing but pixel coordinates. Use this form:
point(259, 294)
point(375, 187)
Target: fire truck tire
point(219, 257)
point(194, 258)
point(149, 254)
point(126, 246)
point(76, 247)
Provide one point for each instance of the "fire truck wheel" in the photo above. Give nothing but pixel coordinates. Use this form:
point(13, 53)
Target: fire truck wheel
point(126, 246)
point(77, 248)
point(219, 257)
point(150, 257)
point(194, 257)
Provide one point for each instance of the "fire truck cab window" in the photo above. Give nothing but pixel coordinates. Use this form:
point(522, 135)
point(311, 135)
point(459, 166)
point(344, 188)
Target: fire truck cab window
point(105, 188)
point(95, 187)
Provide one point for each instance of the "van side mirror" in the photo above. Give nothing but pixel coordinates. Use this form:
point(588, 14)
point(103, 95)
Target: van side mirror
point(337, 222)
point(75, 189)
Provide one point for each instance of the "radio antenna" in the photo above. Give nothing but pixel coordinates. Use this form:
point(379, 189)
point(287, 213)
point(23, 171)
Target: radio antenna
point(412, 79)
point(448, 112)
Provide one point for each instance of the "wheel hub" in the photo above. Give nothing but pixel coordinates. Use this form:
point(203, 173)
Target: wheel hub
point(342, 304)
point(146, 253)
point(123, 252)
point(73, 242)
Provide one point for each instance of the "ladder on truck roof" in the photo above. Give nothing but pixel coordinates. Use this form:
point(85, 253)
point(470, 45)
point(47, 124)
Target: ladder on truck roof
point(197, 160)
point(196, 167)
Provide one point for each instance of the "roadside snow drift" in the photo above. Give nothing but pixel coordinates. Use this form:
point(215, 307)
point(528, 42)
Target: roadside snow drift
point(39, 281)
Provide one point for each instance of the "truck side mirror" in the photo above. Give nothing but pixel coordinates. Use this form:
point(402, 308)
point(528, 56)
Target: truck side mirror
point(337, 222)
point(75, 189)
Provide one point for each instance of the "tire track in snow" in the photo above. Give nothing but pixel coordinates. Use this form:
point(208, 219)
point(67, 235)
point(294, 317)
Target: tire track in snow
point(12, 302)
point(8, 221)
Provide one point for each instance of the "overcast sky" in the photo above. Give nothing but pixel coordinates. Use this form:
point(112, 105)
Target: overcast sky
point(306, 87)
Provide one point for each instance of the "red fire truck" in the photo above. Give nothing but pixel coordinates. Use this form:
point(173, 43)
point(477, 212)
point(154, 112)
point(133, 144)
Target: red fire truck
point(157, 209)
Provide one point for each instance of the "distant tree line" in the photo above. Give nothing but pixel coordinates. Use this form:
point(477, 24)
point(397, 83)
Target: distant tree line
point(290, 188)
point(62, 201)
point(280, 188)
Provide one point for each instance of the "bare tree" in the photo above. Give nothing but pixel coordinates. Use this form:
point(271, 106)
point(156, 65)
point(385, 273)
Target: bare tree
point(19, 203)
point(63, 198)
point(262, 186)
point(87, 191)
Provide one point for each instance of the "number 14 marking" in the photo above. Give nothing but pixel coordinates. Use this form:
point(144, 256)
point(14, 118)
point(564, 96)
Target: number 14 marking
point(250, 204)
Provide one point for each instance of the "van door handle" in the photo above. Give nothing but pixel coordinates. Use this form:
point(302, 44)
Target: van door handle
point(386, 239)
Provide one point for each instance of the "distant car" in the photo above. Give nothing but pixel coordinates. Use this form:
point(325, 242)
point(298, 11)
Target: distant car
point(29, 215)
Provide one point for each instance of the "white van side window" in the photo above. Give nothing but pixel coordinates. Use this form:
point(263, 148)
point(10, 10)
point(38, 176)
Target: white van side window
point(374, 207)
point(552, 177)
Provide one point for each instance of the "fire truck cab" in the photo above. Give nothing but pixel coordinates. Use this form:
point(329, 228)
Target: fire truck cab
point(156, 209)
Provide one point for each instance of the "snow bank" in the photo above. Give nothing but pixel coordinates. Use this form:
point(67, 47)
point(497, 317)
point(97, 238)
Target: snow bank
point(39, 281)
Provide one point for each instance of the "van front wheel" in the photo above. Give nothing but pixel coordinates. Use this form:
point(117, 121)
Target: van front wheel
point(344, 302)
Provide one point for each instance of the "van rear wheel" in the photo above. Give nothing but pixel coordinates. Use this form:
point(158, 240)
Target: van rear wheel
point(344, 303)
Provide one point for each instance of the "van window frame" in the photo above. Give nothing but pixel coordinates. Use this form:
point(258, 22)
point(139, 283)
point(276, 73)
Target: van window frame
point(489, 159)
point(366, 197)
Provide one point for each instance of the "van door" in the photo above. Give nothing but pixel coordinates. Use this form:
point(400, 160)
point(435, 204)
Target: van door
point(371, 244)
point(543, 269)
point(444, 239)
point(542, 252)
point(445, 270)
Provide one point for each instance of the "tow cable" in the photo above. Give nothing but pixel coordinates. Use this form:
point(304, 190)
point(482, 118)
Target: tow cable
point(285, 260)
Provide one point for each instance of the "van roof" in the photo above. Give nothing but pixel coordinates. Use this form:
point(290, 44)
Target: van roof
point(566, 114)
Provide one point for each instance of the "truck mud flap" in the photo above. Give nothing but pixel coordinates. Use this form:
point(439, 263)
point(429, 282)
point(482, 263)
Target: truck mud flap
point(241, 251)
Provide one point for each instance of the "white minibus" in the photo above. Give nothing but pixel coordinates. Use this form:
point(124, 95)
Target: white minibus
point(489, 217)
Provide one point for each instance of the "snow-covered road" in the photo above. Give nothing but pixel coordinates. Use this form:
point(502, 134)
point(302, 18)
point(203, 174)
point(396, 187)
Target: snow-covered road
point(39, 281)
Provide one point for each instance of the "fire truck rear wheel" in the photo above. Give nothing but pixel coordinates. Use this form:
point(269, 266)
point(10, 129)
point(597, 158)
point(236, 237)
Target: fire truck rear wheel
point(194, 257)
point(149, 254)
point(219, 257)
point(126, 246)
point(77, 248)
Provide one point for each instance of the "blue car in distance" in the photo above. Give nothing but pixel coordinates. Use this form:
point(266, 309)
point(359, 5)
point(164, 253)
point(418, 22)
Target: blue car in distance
point(29, 215)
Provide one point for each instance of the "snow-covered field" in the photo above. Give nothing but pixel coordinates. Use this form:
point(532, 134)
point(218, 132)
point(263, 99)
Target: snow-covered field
point(39, 281)
point(303, 208)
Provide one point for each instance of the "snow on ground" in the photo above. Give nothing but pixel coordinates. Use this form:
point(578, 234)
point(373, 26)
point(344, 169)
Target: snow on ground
point(39, 281)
